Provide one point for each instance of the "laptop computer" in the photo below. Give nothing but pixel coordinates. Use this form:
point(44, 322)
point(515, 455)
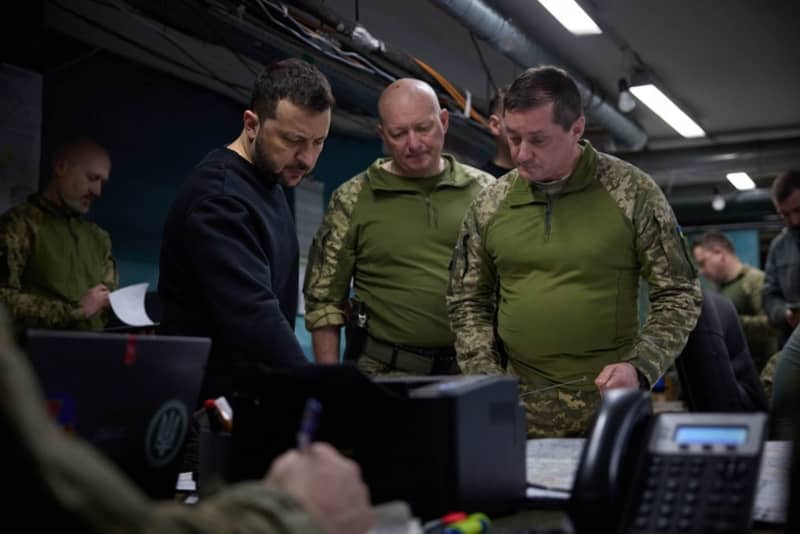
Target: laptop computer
point(132, 397)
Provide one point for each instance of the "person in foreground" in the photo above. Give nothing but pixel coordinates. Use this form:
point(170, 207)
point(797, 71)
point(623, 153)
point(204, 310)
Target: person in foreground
point(70, 484)
point(554, 250)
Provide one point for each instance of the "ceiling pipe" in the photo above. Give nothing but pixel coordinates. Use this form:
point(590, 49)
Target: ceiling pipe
point(703, 165)
point(487, 24)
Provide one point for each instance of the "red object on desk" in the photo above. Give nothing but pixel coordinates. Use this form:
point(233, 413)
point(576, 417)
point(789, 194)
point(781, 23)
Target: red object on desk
point(453, 517)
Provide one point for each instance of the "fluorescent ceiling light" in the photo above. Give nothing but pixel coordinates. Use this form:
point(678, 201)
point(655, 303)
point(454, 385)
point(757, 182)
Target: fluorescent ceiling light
point(653, 98)
point(741, 180)
point(571, 16)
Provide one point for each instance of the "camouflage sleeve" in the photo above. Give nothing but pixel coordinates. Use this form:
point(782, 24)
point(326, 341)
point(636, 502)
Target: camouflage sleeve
point(251, 507)
point(111, 276)
point(331, 260)
point(471, 299)
point(28, 310)
point(67, 472)
point(674, 291)
point(757, 324)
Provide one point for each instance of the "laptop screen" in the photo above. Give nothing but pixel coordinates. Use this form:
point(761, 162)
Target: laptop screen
point(131, 397)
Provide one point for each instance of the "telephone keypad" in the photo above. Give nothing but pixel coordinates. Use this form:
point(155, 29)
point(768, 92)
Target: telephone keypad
point(678, 490)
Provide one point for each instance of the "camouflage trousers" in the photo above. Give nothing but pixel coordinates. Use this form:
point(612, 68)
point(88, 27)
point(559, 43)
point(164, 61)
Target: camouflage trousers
point(558, 413)
point(553, 411)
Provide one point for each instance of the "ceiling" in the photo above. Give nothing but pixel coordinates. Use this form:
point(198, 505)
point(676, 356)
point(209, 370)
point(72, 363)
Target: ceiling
point(733, 65)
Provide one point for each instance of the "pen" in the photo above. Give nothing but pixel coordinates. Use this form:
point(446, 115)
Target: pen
point(308, 425)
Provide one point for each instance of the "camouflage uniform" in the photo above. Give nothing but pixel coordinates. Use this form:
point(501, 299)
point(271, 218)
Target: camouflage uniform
point(49, 258)
point(566, 267)
point(394, 237)
point(745, 292)
point(768, 374)
point(70, 484)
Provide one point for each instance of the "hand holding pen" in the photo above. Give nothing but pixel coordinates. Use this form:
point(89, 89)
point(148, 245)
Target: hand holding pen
point(327, 484)
point(308, 424)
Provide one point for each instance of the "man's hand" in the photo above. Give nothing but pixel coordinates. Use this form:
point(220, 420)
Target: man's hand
point(617, 375)
point(328, 485)
point(792, 317)
point(94, 300)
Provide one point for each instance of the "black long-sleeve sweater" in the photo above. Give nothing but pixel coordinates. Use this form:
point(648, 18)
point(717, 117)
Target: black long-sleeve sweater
point(229, 268)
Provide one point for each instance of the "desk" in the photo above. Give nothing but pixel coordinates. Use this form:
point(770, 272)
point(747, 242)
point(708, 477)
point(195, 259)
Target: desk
point(552, 463)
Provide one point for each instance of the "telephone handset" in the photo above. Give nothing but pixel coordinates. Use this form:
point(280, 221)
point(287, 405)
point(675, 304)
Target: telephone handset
point(674, 472)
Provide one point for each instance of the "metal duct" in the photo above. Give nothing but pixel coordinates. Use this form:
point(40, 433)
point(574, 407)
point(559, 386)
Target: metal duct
point(512, 43)
point(705, 165)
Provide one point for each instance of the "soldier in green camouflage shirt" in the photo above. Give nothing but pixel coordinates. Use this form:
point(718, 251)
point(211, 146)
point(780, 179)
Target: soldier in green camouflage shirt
point(56, 268)
point(717, 260)
point(392, 229)
point(554, 250)
point(67, 483)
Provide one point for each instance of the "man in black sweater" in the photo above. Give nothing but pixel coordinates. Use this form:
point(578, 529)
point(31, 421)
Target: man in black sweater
point(229, 254)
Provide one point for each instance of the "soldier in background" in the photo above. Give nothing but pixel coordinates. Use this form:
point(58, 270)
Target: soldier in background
point(556, 248)
point(391, 229)
point(501, 163)
point(56, 268)
point(782, 268)
point(717, 260)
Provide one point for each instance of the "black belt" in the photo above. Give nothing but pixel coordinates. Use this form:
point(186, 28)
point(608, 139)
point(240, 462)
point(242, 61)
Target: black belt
point(415, 360)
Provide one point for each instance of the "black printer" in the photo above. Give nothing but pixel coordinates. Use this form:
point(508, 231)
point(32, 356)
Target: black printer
point(439, 443)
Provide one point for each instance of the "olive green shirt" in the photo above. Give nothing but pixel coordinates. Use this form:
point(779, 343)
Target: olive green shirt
point(49, 258)
point(394, 237)
point(745, 292)
point(567, 268)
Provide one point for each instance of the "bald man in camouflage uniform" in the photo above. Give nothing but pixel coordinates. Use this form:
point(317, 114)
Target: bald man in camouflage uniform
point(392, 229)
point(56, 268)
point(562, 241)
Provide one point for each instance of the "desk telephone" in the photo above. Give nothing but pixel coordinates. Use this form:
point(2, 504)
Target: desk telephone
point(673, 472)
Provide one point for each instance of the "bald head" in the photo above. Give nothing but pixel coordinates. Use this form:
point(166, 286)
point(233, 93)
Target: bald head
point(407, 89)
point(81, 168)
point(412, 126)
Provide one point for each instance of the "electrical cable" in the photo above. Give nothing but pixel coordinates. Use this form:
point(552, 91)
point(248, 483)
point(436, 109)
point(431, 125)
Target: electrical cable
point(337, 55)
point(451, 90)
point(335, 46)
point(235, 87)
point(483, 61)
point(222, 38)
point(160, 30)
